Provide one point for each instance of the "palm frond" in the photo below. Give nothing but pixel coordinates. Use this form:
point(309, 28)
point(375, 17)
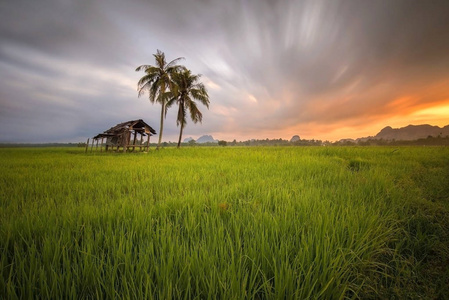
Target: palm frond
point(171, 100)
point(195, 113)
point(142, 89)
point(201, 95)
point(173, 63)
point(153, 70)
point(149, 78)
point(160, 59)
point(142, 67)
point(154, 90)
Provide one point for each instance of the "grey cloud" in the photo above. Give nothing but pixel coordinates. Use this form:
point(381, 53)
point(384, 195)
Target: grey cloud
point(303, 61)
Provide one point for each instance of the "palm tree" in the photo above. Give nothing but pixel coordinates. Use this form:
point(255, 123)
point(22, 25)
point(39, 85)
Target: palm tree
point(185, 90)
point(156, 80)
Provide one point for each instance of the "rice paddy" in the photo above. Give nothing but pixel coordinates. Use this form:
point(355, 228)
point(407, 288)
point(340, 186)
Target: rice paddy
point(225, 223)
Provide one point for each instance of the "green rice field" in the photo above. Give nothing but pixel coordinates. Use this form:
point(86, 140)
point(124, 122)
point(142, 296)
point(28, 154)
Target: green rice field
point(225, 223)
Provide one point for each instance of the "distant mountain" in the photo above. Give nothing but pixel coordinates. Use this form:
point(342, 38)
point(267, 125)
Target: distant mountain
point(295, 138)
point(186, 140)
point(206, 139)
point(409, 133)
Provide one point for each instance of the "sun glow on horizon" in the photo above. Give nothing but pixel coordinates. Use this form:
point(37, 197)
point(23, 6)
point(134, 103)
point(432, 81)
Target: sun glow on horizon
point(441, 111)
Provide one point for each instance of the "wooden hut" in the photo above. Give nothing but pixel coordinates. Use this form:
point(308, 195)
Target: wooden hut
point(127, 135)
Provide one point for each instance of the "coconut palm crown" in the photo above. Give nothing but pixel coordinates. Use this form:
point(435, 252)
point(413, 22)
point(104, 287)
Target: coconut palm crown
point(156, 80)
point(186, 89)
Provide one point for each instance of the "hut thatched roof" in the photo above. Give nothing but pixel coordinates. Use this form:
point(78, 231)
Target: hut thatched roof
point(135, 125)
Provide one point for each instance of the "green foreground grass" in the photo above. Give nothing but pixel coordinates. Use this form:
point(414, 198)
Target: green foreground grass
point(225, 223)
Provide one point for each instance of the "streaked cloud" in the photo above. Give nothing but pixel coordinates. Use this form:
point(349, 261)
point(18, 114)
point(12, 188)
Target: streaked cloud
point(319, 69)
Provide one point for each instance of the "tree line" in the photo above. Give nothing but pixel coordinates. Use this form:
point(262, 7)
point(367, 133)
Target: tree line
point(169, 84)
point(429, 141)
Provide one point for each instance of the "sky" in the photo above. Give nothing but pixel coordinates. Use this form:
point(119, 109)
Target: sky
point(319, 69)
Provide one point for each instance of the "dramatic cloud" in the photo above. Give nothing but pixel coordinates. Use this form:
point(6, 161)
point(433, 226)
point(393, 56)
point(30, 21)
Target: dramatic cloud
point(320, 69)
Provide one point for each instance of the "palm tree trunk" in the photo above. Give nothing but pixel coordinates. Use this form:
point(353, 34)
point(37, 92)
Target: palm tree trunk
point(162, 92)
point(180, 134)
point(161, 127)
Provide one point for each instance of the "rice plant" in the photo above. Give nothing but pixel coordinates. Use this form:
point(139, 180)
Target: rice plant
point(223, 223)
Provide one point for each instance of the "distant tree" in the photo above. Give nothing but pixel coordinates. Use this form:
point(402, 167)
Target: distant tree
point(192, 142)
point(185, 90)
point(222, 143)
point(156, 80)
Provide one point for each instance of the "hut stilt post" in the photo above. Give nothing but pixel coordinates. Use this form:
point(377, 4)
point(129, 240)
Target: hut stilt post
point(87, 146)
point(134, 141)
point(126, 141)
point(141, 141)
